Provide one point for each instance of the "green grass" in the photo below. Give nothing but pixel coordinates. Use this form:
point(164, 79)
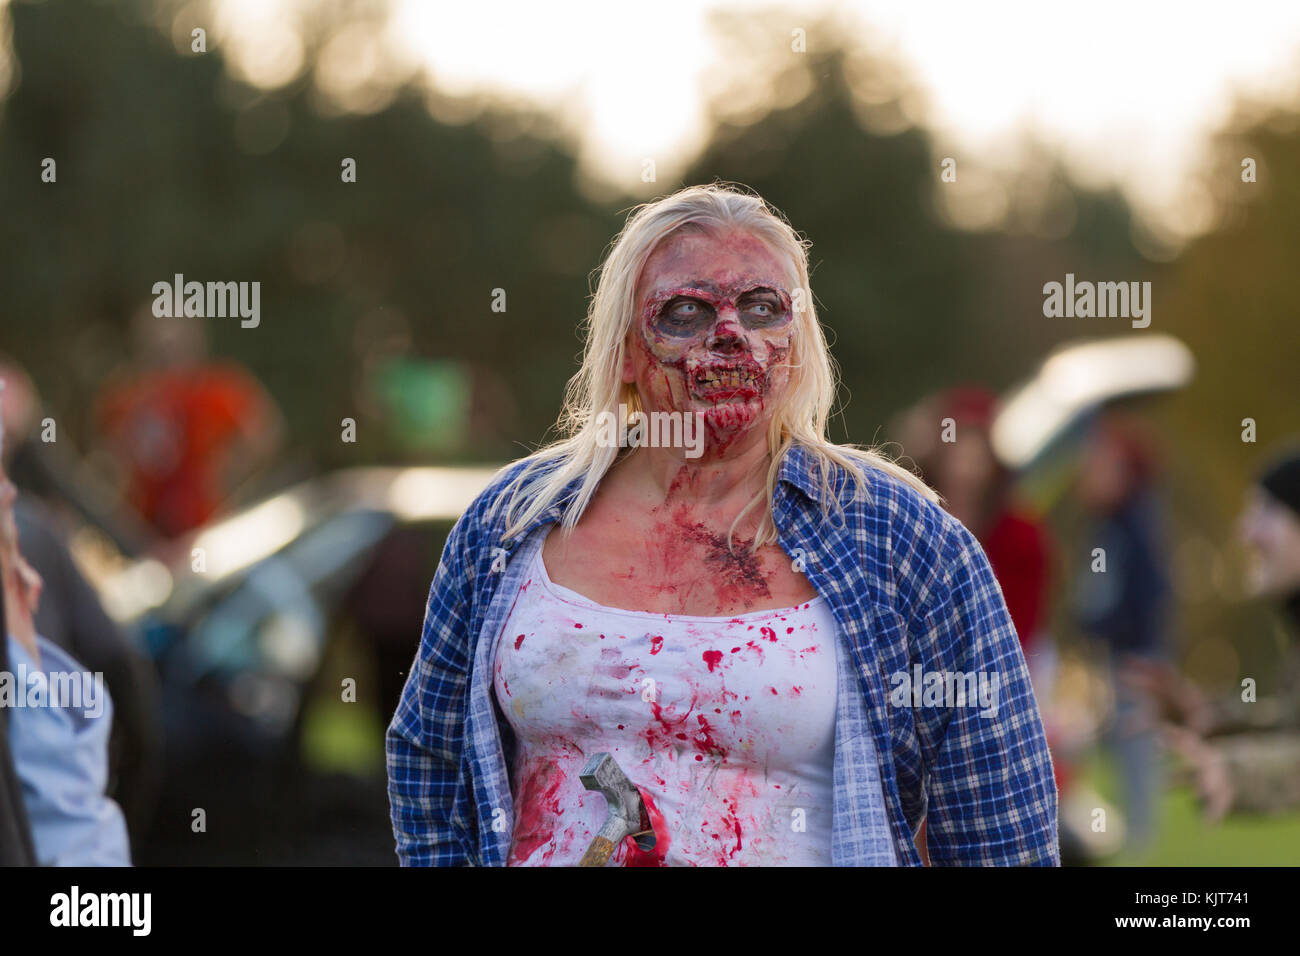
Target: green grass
point(1185, 839)
point(345, 738)
point(339, 736)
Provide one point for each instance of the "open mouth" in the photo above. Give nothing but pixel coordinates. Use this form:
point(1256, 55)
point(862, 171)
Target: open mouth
point(717, 382)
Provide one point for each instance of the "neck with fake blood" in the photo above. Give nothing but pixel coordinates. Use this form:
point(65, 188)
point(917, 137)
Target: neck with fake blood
point(716, 481)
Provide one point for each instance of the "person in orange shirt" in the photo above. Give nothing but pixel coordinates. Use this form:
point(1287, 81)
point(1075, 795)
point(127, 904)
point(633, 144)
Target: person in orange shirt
point(185, 429)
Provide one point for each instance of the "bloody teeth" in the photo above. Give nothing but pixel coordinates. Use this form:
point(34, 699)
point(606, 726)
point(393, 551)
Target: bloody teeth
point(725, 378)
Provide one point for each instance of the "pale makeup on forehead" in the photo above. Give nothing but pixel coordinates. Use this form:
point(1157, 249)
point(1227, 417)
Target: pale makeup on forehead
point(707, 289)
point(735, 259)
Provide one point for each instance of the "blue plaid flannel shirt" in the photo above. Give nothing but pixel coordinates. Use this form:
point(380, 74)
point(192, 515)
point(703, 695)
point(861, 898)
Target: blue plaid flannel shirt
point(909, 586)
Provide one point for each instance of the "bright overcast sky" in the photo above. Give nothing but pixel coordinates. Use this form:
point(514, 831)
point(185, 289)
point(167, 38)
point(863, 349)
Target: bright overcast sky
point(1126, 90)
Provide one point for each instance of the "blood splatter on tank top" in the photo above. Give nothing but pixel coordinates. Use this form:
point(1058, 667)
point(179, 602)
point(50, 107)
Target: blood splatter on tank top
point(726, 726)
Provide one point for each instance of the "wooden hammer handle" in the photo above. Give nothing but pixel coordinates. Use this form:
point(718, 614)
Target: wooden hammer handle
point(598, 853)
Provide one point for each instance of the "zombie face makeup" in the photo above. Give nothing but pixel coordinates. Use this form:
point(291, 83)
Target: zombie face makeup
point(1271, 531)
point(713, 334)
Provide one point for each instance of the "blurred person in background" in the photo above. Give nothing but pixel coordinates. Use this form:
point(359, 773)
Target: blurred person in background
point(16, 847)
point(1239, 765)
point(1270, 528)
point(58, 745)
point(1121, 598)
point(72, 617)
point(184, 429)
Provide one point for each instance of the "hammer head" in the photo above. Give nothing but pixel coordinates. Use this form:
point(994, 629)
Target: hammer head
point(627, 811)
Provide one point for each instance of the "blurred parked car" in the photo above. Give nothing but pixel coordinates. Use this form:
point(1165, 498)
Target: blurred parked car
point(239, 617)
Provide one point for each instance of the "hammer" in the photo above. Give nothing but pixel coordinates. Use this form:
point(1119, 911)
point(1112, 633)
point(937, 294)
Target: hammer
point(627, 812)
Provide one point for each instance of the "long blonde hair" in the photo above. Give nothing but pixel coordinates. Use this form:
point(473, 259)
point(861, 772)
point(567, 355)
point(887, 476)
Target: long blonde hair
point(598, 386)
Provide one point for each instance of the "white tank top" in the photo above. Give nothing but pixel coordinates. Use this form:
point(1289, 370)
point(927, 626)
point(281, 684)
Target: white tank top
point(725, 724)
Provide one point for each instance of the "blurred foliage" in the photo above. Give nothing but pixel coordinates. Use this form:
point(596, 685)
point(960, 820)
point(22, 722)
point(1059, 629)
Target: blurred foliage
point(1231, 296)
point(911, 305)
point(167, 164)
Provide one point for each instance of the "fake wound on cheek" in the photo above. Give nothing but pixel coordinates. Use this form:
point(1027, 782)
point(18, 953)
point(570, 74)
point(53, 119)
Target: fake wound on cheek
point(725, 725)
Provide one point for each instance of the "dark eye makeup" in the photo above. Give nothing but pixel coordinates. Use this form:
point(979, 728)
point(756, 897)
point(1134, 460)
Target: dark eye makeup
point(685, 316)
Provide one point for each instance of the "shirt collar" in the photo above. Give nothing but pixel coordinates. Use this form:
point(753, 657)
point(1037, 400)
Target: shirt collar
point(798, 468)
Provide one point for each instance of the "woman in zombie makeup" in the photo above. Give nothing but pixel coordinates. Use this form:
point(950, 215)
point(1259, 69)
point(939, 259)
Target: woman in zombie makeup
point(786, 645)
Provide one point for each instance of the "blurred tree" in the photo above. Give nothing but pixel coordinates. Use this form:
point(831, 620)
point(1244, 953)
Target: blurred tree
point(166, 164)
point(1232, 297)
point(833, 136)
